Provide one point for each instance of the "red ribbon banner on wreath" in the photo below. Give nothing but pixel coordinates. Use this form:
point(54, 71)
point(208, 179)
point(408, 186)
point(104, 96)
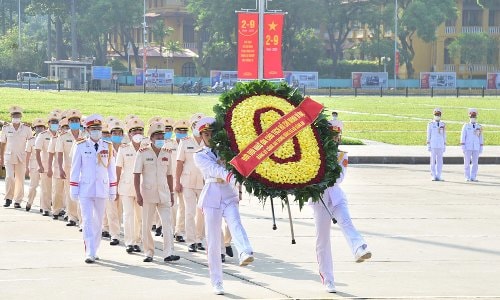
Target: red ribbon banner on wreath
point(276, 135)
point(248, 45)
point(273, 34)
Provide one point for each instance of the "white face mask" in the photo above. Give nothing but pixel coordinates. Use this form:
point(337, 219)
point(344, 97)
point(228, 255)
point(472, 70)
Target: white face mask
point(473, 120)
point(437, 118)
point(196, 133)
point(16, 120)
point(95, 134)
point(137, 138)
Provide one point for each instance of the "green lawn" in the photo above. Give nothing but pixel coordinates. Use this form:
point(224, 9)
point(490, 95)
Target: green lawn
point(395, 120)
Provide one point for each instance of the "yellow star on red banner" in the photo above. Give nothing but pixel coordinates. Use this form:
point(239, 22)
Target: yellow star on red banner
point(273, 26)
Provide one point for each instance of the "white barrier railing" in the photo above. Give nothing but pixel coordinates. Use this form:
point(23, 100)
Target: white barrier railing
point(472, 29)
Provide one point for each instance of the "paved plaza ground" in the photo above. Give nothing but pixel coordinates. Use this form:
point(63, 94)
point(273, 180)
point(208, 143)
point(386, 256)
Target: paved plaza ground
point(429, 240)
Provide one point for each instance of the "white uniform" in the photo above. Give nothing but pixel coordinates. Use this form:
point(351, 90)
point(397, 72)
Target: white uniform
point(436, 144)
point(92, 183)
point(132, 212)
point(336, 201)
point(218, 199)
point(472, 142)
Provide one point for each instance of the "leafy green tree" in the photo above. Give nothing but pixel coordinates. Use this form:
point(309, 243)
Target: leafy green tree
point(161, 32)
point(14, 59)
point(470, 48)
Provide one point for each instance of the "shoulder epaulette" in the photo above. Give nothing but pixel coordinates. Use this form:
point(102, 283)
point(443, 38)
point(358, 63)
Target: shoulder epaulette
point(124, 145)
point(199, 150)
point(143, 149)
point(186, 138)
point(80, 140)
point(107, 142)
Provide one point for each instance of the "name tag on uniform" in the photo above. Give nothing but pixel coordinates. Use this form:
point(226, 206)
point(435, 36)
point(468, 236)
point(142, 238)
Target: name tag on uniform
point(69, 141)
point(48, 139)
point(87, 152)
point(130, 154)
point(149, 159)
point(190, 147)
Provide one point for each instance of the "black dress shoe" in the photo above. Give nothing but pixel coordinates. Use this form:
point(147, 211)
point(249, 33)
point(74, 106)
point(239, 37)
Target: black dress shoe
point(180, 239)
point(153, 228)
point(229, 251)
point(80, 229)
point(171, 258)
point(71, 223)
point(62, 213)
point(17, 205)
point(105, 234)
point(28, 207)
point(41, 210)
point(55, 217)
point(45, 213)
point(199, 246)
point(137, 248)
point(192, 248)
point(148, 259)
point(114, 242)
point(65, 218)
point(8, 202)
point(130, 249)
point(223, 258)
point(158, 231)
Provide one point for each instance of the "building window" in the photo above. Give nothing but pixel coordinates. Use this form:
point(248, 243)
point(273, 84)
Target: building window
point(447, 58)
point(188, 33)
point(472, 18)
point(188, 69)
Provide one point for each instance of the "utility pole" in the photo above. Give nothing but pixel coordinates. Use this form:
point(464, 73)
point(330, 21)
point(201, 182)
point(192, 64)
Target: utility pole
point(396, 61)
point(19, 18)
point(74, 45)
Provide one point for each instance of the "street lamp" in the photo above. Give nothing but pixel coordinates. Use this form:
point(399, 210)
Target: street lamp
point(385, 60)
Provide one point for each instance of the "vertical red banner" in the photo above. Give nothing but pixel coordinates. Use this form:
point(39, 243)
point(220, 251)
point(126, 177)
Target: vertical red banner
point(396, 63)
point(273, 34)
point(248, 45)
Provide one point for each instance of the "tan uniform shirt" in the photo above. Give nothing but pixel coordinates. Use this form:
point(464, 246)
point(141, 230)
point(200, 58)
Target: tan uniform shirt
point(15, 147)
point(154, 170)
point(65, 144)
point(172, 145)
point(42, 143)
point(30, 147)
point(52, 149)
point(125, 159)
point(191, 176)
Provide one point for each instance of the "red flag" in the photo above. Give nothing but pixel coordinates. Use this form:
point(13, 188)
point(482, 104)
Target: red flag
point(273, 34)
point(248, 45)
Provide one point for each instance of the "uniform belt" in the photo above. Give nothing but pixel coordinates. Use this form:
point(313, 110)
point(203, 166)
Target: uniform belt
point(217, 180)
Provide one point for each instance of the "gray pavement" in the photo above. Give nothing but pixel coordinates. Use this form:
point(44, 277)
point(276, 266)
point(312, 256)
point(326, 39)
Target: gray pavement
point(429, 240)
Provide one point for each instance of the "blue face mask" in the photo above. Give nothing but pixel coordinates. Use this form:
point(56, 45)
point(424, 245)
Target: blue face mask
point(107, 138)
point(54, 127)
point(74, 126)
point(181, 135)
point(167, 135)
point(159, 143)
point(116, 139)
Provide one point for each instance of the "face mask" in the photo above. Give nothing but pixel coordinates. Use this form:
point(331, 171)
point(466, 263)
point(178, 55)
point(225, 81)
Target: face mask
point(54, 127)
point(38, 130)
point(167, 135)
point(159, 143)
point(196, 133)
point(137, 138)
point(116, 139)
point(107, 138)
point(95, 134)
point(64, 129)
point(473, 120)
point(16, 120)
point(437, 118)
point(74, 126)
point(180, 135)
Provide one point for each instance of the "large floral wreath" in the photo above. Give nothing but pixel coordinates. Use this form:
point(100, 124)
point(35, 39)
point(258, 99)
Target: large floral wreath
point(304, 166)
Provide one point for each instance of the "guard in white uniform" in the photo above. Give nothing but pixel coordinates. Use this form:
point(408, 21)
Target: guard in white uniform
point(336, 201)
point(436, 144)
point(93, 182)
point(219, 199)
point(472, 142)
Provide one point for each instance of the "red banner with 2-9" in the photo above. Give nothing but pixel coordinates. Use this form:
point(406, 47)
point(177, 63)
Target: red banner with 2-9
point(248, 45)
point(273, 34)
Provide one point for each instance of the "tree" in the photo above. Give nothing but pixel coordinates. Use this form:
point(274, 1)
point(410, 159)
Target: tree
point(14, 59)
point(470, 48)
point(173, 47)
point(160, 32)
point(420, 18)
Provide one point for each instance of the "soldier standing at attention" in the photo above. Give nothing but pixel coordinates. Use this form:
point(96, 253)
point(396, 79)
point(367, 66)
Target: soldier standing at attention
point(13, 156)
point(219, 198)
point(472, 142)
point(436, 144)
point(93, 182)
point(155, 191)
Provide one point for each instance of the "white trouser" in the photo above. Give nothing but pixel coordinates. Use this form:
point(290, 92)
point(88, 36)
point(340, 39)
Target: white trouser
point(471, 157)
point(113, 217)
point(14, 181)
point(132, 220)
point(436, 162)
point(177, 212)
point(45, 191)
point(213, 222)
point(149, 210)
point(323, 223)
point(92, 215)
point(195, 231)
point(34, 183)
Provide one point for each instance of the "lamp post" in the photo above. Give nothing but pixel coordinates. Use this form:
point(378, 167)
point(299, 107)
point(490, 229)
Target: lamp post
point(144, 46)
point(19, 19)
point(396, 60)
point(385, 60)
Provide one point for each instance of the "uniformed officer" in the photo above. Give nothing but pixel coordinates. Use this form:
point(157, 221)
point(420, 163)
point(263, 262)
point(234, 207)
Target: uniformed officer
point(189, 182)
point(178, 209)
point(154, 192)
point(54, 172)
point(42, 156)
point(93, 182)
point(132, 212)
point(63, 149)
point(13, 156)
point(336, 203)
point(32, 164)
point(472, 142)
point(156, 220)
point(219, 198)
point(436, 144)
